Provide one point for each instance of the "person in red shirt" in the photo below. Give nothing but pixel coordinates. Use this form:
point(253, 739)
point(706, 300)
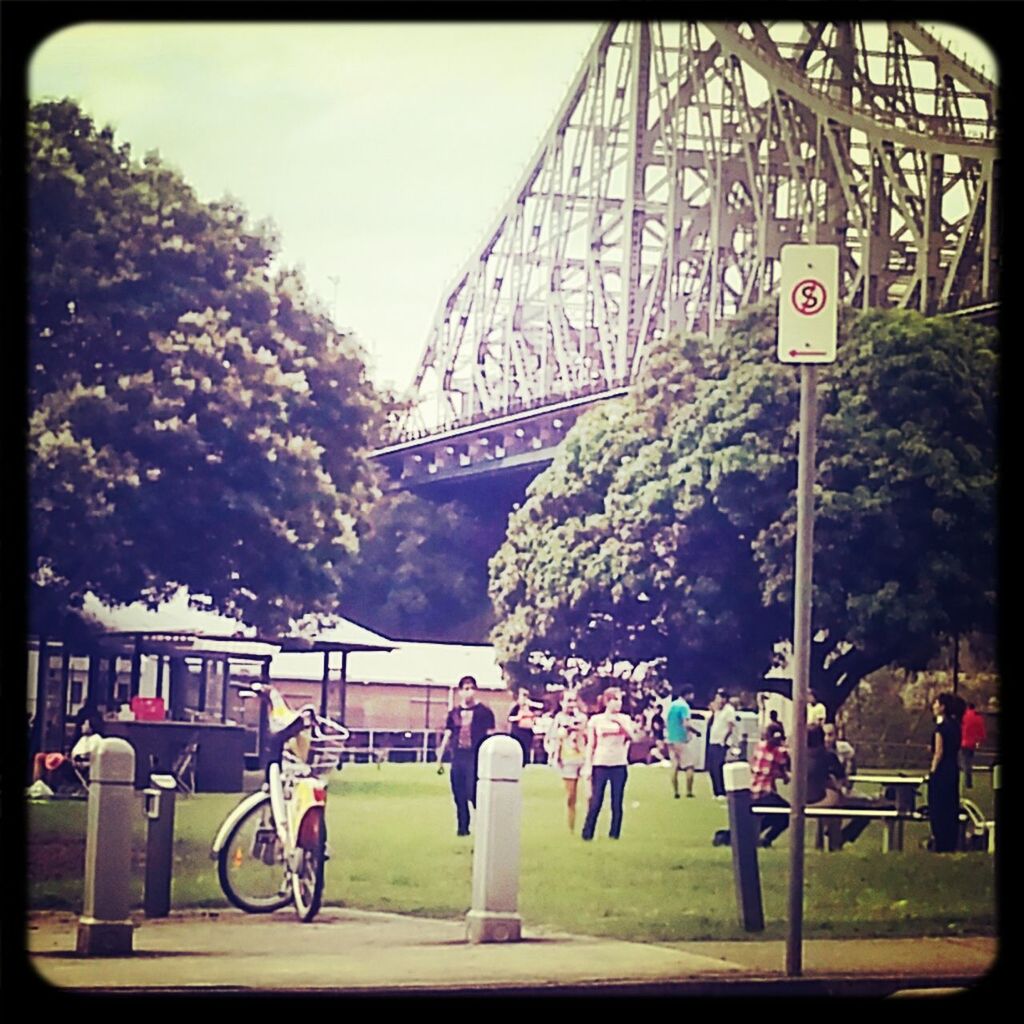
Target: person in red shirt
point(972, 735)
point(770, 765)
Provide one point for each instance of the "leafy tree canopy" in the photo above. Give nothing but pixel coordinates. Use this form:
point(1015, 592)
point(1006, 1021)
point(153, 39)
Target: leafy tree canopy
point(665, 527)
point(421, 569)
point(194, 417)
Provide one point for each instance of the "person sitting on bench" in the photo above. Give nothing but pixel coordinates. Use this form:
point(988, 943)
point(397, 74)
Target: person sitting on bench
point(86, 746)
point(769, 765)
point(68, 774)
point(845, 798)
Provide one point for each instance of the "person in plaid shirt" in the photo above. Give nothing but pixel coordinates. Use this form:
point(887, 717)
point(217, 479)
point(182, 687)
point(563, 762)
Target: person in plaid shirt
point(769, 765)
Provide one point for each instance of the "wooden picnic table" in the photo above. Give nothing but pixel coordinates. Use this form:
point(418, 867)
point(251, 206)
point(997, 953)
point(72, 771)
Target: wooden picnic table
point(904, 788)
point(832, 818)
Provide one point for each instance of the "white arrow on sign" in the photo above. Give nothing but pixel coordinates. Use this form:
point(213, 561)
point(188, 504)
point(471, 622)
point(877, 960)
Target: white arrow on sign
point(808, 307)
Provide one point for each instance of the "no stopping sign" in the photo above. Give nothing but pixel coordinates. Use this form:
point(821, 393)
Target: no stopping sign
point(808, 319)
point(809, 297)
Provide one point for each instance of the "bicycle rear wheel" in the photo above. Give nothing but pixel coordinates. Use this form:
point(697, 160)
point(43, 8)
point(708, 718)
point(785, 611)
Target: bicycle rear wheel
point(251, 864)
point(308, 878)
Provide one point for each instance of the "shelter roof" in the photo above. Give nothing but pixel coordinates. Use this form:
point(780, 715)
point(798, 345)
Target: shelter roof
point(154, 641)
point(176, 615)
point(339, 635)
point(408, 663)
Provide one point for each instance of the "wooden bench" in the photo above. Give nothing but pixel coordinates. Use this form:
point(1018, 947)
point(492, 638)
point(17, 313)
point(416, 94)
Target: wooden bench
point(830, 821)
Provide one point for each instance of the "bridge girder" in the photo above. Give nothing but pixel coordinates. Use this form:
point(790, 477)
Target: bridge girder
point(683, 158)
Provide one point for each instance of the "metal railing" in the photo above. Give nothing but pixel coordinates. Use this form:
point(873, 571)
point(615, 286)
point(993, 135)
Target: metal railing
point(393, 745)
point(880, 754)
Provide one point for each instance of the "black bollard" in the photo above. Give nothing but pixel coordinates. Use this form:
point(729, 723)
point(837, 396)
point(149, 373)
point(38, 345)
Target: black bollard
point(997, 806)
point(743, 830)
point(159, 806)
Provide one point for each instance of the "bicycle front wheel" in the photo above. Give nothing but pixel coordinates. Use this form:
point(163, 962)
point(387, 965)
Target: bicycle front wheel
point(251, 864)
point(308, 878)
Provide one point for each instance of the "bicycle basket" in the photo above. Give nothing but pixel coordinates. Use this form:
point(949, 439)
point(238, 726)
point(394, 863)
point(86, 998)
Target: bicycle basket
point(326, 743)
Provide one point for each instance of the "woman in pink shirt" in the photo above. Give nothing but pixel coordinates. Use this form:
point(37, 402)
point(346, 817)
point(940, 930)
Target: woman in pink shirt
point(608, 737)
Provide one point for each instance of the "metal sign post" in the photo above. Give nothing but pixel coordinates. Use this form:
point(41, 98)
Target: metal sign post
point(808, 327)
point(803, 581)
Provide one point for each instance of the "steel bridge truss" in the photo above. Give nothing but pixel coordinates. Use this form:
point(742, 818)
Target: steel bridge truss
point(684, 157)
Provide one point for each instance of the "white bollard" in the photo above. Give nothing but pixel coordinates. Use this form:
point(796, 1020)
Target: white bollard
point(104, 928)
point(493, 916)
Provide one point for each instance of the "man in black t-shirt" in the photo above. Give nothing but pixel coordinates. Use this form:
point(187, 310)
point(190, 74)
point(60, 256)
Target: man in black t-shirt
point(827, 784)
point(468, 724)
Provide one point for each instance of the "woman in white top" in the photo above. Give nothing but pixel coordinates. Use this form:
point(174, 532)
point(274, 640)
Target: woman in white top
point(608, 737)
point(566, 744)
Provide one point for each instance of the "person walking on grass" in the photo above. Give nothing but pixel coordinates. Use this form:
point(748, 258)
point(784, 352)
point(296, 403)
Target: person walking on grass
point(609, 734)
point(521, 717)
point(566, 745)
point(679, 734)
point(720, 737)
point(467, 726)
point(658, 751)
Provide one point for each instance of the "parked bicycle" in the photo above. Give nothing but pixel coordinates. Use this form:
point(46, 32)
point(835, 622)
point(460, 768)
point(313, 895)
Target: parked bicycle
point(271, 849)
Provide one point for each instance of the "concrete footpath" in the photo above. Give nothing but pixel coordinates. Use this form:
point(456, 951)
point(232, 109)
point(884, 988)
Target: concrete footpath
point(354, 952)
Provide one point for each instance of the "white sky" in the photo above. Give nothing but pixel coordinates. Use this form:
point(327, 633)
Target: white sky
point(382, 152)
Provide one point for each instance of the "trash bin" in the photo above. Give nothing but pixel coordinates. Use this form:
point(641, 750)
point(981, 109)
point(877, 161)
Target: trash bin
point(159, 807)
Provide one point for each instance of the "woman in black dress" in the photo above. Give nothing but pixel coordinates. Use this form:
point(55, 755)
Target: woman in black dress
point(944, 775)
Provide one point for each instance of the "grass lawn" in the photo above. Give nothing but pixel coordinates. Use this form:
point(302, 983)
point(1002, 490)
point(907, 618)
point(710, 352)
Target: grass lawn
point(393, 844)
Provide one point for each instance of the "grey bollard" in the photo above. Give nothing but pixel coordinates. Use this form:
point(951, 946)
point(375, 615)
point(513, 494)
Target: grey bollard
point(493, 916)
point(159, 807)
point(104, 928)
point(743, 831)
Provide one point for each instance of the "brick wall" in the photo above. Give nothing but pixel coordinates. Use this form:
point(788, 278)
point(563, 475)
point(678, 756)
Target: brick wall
point(389, 706)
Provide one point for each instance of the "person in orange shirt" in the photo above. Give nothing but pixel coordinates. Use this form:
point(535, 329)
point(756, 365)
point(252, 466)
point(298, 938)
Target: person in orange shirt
point(521, 718)
point(609, 734)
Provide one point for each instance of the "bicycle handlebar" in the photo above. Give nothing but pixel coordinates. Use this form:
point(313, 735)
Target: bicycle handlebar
point(305, 716)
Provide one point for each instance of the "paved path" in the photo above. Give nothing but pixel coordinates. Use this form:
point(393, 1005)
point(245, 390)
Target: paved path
point(357, 952)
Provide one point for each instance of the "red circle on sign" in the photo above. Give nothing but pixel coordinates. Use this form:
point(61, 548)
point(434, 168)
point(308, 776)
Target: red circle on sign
point(808, 297)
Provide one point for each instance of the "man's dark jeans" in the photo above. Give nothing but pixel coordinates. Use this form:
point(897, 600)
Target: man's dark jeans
point(772, 825)
point(967, 765)
point(716, 762)
point(463, 780)
point(853, 828)
point(605, 776)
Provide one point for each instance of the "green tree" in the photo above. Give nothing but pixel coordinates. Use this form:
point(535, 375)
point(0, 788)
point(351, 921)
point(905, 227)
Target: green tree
point(194, 417)
point(617, 555)
point(688, 517)
point(421, 568)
